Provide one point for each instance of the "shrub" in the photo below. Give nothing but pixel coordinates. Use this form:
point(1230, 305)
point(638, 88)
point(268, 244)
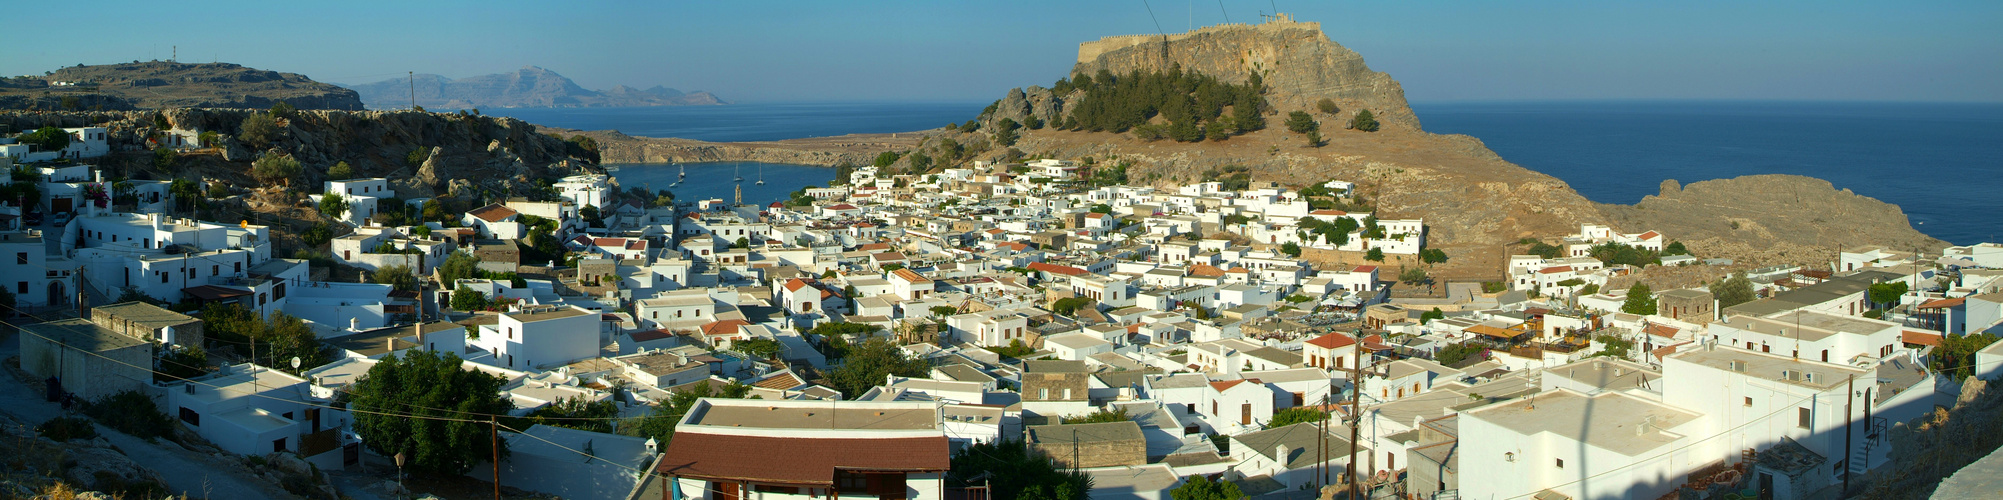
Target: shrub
point(1327, 106)
point(340, 172)
point(272, 168)
point(133, 413)
point(61, 429)
point(1364, 121)
point(259, 129)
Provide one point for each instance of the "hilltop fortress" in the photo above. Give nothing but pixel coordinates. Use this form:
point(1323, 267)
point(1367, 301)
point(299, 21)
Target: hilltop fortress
point(1089, 51)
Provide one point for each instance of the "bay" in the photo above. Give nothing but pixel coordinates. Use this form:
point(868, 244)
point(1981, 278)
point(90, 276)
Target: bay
point(715, 180)
point(754, 121)
point(1942, 163)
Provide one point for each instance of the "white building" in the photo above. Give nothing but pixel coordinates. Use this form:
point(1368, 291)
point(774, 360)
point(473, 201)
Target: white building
point(547, 337)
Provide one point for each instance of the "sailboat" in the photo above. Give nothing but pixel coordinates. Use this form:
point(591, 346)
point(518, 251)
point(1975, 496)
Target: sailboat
point(684, 176)
point(761, 174)
point(734, 171)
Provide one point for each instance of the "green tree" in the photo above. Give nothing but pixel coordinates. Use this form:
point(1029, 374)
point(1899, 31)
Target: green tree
point(469, 300)
point(1613, 346)
point(592, 216)
point(1675, 248)
point(416, 157)
point(332, 205)
point(422, 384)
point(1414, 276)
point(943, 311)
point(275, 168)
point(46, 139)
point(1589, 289)
point(1456, 354)
point(1291, 249)
point(319, 234)
point(340, 172)
point(1364, 121)
point(182, 364)
point(1887, 294)
point(885, 159)
point(1313, 138)
point(1069, 305)
point(1199, 487)
point(1432, 256)
point(1099, 417)
point(1300, 122)
point(1956, 355)
point(399, 277)
point(1374, 255)
point(1296, 415)
point(1434, 314)
point(1640, 300)
point(1012, 471)
point(1733, 290)
point(276, 339)
point(575, 413)
point(259, 130)
point(283, 110)
point(1327, 107)
point(164, 158)
point(865, 365)
point(456, 267)
point(762, 348)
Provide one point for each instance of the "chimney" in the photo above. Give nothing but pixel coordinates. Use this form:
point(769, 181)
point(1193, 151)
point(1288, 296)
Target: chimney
point(1280, 454)
point(355, 324)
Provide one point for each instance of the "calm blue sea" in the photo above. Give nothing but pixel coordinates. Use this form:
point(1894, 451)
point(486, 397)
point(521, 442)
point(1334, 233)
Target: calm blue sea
point(1941, 163)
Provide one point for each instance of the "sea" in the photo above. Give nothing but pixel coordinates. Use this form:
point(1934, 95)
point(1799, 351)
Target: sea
point(1940, 162)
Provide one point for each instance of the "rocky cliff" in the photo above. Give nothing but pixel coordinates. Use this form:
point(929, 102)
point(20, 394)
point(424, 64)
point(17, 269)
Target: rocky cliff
point(1475, 203)
point(853, 149)
point(160, 84)
point(529, 87)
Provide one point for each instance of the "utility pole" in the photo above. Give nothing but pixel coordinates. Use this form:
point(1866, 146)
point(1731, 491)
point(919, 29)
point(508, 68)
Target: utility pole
point(494, 446)
point(413, 89)
point(1355, 410)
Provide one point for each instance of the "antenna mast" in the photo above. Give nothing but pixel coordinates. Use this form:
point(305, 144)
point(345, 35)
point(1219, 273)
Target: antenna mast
point(413, 90)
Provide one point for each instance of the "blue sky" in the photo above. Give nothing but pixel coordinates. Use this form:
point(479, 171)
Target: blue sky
point(754, 50)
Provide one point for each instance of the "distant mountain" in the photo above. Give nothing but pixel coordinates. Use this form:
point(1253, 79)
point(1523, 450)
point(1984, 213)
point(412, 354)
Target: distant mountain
point(529, 87)
point(162, 84)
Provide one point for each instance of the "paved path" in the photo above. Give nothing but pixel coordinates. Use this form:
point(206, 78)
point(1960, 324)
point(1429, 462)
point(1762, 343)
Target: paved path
point(196, 475)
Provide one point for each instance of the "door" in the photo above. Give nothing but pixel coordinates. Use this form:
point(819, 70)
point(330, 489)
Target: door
point(722, 490)
point(59, 205)
point(1245, 414)
point(1766, 486)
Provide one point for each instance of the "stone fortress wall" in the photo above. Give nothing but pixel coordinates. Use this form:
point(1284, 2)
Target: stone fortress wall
point(1089, 51)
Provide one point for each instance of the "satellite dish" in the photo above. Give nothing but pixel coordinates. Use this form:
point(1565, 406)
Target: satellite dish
point(295, 362)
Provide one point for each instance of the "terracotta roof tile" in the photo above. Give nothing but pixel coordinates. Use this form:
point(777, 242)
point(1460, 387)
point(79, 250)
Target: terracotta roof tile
point(493, 213)
point(1332, 341)
point(797, 460)
point(1920, 338)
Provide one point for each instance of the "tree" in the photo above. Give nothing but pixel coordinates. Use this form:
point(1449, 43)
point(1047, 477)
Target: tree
point(1675, 248)
point(333, 205)
point(1300, 122)
point(1414, 276)
point(943, 311)
point(283, 110)
point(762, 348)
point(1887, 294)
point(416, 157)
point(1456, 354)
point(259, 129)
point(165, 157)
point(1199, 487)
point(1313, 137)
point(276, 339)
point(1432, 256)
point(883, 159)
point(420, 231)
point(340, 172)
point(592, 215)
point(469, 300)
point(274, 168)
point(1613, 346)
point(1011, 470)
point(1291, 249)
point(1434, 314)
point(456, 267)
point(1099, 417)
point(1956, 355)
point(46, 139)
point(865, 365)
point(1640, 300)
point(1364, 121)
point(423, 383)
point(575, 413)
point(1374, 255)
point(1295, 415)
point(399, 277)
point(1733, 290)
point(1069, 305)
point(319, 234)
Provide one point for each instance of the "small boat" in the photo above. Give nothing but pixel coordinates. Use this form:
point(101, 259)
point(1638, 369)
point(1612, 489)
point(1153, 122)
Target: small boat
point(614, 168)
point(684, 175)
point(734, 171)
point(761, 175)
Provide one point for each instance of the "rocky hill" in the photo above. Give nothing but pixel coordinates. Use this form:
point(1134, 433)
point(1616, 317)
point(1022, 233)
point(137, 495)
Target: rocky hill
point(160, 84)
point(529, 87)
point(1475, 203)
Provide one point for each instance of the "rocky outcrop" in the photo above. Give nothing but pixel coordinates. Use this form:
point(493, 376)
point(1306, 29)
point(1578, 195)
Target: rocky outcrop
point(161, 84)
point(1298, 63)
point(1771, 218)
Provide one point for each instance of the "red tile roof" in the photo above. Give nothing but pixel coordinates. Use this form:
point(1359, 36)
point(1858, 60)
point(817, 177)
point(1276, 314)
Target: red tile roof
point(786, 459)
point(1332, 341)
point(796, 284)
point(1650, 235)
point(725, 327)
point(608, 242)
point(493, 213)
point(841, 206)
point(781, 381)
point(1057, 269)
point(1942, 303)
point(1660, 331)
point(1206, 270)
point(1225, 385)
point(651, 335)
point(909, 275)
point(1364, 269)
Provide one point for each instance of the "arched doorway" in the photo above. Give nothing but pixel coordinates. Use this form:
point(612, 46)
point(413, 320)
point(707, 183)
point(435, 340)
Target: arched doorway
point(56, 295)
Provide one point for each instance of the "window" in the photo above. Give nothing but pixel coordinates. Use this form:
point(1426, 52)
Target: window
point(1213, 408)
point(216, 270)
point(1749, 401)
point(278, 445)
point(192, 418)
point(21, 258)
point(1804, 418)
point(278, 291)
point(1561, 463)
point(21, 288)
point(163, 276)
point(1043, 393)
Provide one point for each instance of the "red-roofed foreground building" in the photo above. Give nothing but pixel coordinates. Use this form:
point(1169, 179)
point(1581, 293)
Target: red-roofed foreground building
point(750, 448)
